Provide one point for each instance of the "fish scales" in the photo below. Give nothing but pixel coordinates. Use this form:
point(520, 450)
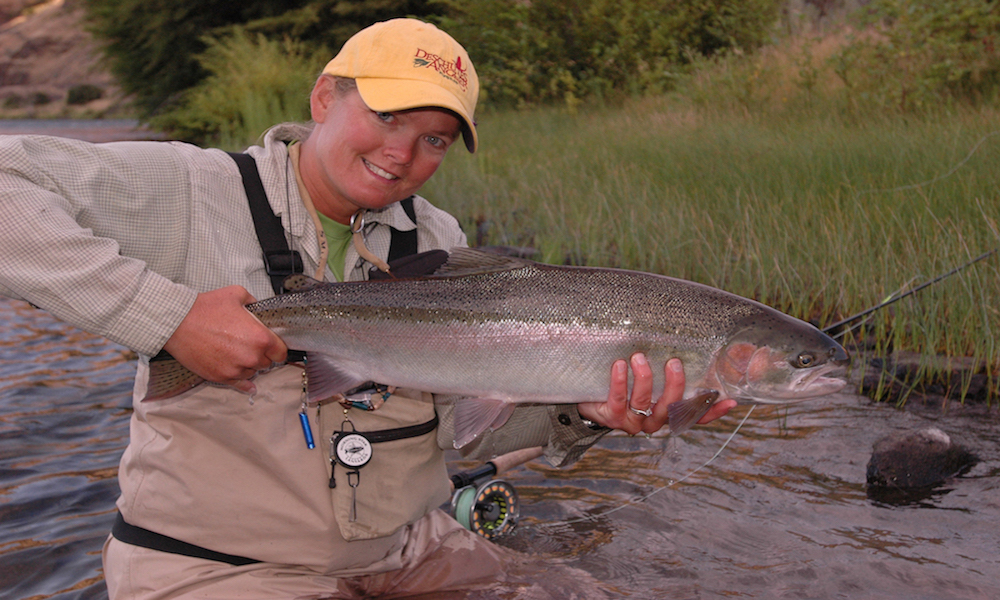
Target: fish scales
point(506, 331)
point(556, 331)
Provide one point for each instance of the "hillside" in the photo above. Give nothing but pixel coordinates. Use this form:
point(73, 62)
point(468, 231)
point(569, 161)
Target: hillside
point(45, 52)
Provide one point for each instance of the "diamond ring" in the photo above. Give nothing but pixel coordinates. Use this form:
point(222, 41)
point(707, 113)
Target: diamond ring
point(643, 413)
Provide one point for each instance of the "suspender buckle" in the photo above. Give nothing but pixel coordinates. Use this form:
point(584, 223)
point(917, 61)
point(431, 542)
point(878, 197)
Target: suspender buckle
point(282, 263)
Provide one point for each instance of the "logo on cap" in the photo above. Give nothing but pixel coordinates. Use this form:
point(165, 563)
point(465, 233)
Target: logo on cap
point(450, 69)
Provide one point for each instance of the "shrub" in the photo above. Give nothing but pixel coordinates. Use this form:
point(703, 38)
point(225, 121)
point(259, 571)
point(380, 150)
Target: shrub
point(561, 50)
point(915, 55)
point(233, 104)
point(82, 94)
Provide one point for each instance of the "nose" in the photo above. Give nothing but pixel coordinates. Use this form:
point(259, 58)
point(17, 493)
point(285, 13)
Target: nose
point(399, 149)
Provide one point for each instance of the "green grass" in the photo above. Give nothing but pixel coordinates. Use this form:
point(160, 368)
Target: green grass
point(816, 214)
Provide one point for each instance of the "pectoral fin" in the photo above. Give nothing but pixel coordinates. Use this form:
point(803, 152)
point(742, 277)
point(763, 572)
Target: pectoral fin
point(327, 379)
point(684, 414)
point(473, 416)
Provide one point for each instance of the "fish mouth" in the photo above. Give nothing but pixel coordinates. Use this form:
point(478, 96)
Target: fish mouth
point(825, 379)
point(820, 381)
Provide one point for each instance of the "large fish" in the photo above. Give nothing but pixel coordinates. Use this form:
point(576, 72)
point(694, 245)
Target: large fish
point(502, 331)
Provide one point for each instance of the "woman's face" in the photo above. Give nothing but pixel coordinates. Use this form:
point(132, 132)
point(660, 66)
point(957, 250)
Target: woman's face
point(358, 158)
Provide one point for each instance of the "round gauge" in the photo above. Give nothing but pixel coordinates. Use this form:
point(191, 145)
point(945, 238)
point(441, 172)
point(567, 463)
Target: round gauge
point(352, 450)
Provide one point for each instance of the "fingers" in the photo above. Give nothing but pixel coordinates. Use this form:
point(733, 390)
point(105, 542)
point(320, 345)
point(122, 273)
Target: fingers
point(642, 387)
point(611, 412)
point(272, 348)
point(640, 416)
point(618, 391)
point(628, 411)
point(220, 340)
point(719, 409)
point(673, 390)
point(632, 413)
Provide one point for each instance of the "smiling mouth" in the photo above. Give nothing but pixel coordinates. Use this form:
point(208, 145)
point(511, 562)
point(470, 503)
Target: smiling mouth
point(380, 172)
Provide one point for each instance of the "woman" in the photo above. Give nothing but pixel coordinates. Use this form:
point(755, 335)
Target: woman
point(152, 245)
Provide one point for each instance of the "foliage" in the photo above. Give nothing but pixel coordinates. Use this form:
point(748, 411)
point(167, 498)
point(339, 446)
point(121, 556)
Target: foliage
point(526, 53)
point(234, 106)
point(152, 45)
point(84, 93)
point(905, 55)
point(564, 50)
point(329, 23)
point(915, 54)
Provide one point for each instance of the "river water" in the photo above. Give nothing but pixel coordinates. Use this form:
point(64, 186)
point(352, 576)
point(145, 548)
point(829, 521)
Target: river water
point(781, 513)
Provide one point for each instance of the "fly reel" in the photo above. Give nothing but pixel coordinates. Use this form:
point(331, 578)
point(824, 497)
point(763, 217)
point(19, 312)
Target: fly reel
point(490, 510)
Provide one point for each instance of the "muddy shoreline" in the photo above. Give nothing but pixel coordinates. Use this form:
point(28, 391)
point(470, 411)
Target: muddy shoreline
point(939, 383)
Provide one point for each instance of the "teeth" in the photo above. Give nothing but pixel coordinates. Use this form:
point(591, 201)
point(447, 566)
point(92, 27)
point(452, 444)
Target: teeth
point(378, 171)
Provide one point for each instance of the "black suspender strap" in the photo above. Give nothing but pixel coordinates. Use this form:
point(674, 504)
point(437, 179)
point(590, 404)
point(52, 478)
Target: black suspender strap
point(144, 538)
point(279, 260)
point(404, 243)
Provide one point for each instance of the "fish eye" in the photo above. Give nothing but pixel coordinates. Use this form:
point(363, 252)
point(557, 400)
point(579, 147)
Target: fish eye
point(805, 360)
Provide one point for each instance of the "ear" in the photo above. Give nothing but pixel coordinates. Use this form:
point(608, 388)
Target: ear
point(322, 97)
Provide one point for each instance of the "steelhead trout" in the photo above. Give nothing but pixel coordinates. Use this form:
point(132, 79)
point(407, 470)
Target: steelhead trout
point(502, 331)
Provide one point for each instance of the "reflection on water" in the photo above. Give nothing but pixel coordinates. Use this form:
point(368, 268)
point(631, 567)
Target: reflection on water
point(782, 513)
point(63, 425)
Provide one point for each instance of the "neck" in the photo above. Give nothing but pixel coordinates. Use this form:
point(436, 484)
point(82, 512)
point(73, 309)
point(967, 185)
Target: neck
point(317, 189)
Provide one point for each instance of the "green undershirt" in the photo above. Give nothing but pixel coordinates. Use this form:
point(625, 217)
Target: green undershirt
point(338, 238)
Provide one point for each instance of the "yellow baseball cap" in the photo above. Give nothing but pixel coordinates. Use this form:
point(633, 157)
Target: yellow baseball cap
point(406, 63)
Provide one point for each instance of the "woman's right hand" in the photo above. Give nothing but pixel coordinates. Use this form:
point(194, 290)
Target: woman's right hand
point(223, 342)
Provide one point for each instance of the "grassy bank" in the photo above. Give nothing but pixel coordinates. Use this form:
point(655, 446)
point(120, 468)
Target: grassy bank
point(816, 213)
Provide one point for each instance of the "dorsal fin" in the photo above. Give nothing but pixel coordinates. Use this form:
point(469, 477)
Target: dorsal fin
point(469, 261)
point(301, 283)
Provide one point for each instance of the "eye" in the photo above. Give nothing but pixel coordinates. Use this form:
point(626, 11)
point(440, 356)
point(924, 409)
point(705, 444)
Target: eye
point(384, 116)
point(805, 360)
point(435, 141)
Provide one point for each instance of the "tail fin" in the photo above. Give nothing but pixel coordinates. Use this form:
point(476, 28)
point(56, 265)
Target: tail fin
point(168, 378)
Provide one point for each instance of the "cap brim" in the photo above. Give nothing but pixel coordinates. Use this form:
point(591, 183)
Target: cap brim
point(388, 95)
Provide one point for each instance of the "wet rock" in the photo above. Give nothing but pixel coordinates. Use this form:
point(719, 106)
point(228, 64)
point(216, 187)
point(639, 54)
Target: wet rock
point(915, 461)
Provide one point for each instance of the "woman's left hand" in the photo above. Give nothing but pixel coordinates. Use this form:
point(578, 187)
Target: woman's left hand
point(639, 414)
